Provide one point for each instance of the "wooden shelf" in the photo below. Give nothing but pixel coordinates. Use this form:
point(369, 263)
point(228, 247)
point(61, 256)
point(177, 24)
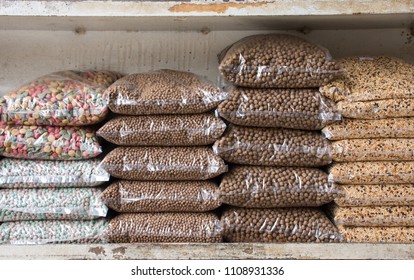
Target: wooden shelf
point(209, 251)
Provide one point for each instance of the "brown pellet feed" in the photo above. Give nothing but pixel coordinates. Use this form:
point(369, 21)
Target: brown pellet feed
point(376, 195)
point(269, 187)
point(278, 225)
point(378, 109)
point(163, 92)
point(372, 78)
point(289, 108)
point(383, 128)
point(163, 130)
point(277, 61)
point(163, 163)
point(378, 234)
point(165, 227)
point(373, 150)
point(273, 147)
point(372, 216)
point(162, 196)
point(372, 172)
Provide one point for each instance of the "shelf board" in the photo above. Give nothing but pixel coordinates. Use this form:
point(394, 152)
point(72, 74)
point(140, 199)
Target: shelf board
point(125, 8)
point(207, 14)
point(210, 251)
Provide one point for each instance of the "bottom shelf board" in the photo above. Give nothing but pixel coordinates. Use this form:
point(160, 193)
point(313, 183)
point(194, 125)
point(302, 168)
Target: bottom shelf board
point(145, 251)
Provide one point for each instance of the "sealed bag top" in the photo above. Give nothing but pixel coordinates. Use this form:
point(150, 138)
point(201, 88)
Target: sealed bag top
point(66, 98)
point(163, 92)
point(277, 61)
point(372, 78)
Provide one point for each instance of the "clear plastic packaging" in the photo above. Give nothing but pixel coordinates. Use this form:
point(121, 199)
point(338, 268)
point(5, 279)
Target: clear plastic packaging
point(373, 150)
point(67, 98)
point(378, 109)
point(277, 61)
point(48, 142)
point(165, 227)
point(163, 92)
point(373, 216)
point(162, 196)
point(273, 147)
point(163, 163)
point(163, 130)
point(378, 234)
point(376, 195)
point(363, 129)
point(45, 232)
point(269, 187)
point(289, 108)
point(21, 173)
point(372, 172)
point(372, 78)
point(51, 204)
point(278, 225)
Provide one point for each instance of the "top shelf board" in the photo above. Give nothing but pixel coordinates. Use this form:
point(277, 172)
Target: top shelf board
point(128, 15)
point(129, 8)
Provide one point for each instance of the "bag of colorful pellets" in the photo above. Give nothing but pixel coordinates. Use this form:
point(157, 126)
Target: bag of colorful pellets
point(371, 79)
point(162, 196)
point(372, 216)
point(66, 98)
point(51, 204)
point(278, 225)
point(44, 232)
point(277, 61)
point(168, 227)
point(163, 163)
point(289, 108)
point(163, 92)
point(269, 187)
point(47, 142)
point(20, 173)
point(163, 130)
point(273, 147)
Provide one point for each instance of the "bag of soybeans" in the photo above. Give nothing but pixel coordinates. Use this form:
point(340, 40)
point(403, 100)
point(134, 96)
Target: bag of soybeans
point(277, 61)
point(288, 108)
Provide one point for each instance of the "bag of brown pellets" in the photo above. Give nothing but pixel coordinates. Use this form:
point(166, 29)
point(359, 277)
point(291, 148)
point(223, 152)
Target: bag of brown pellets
point(278, 225)
point(162, 196)
point(372, 78)
point(378, 234)
point(21, 173)
point(372, 216)
point(378, 109)
point(289, 108)
point(269, 187)
point(273, 147)
point(66, 98)
point(163, 130)
point(372, 172)
point(376, 195)
point(165, 227)
point(395, 149)
point(277, 61)
point(51, 204)
point(363, 129)
point(53, 232)
point(163, 163)
point(163, 92)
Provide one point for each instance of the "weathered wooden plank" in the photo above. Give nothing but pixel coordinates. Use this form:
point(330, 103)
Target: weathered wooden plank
point(209, 251)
